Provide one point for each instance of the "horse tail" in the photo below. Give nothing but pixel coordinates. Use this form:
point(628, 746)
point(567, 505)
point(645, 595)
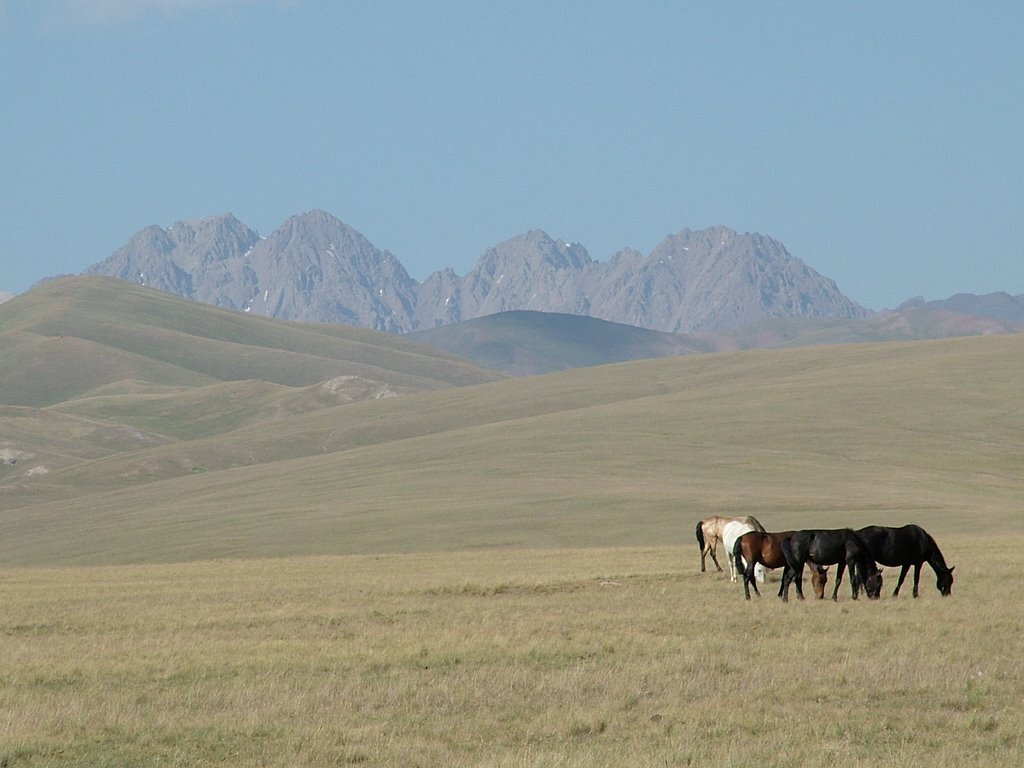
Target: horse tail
point(700, 534)
point(757, 524)
point(737, 556)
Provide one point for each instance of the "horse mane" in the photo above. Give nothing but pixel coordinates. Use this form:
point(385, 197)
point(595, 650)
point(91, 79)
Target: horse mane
point(757, 524)
point(933, 552)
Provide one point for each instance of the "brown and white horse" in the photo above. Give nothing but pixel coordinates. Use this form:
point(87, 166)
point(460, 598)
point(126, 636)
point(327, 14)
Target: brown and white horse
point(709, 533)
point(730, 533)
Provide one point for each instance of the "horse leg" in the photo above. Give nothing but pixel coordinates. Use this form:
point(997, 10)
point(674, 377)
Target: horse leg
point(840, 567)
point(856, 578)
point(797, 577)
point(899, 582)
point(793, 570)
point(748, 579)
point(917, 576)
point(713, 547)
point(737, 564)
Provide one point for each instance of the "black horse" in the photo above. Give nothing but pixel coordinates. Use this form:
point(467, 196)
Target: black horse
point(908, 546)
point(840, 547)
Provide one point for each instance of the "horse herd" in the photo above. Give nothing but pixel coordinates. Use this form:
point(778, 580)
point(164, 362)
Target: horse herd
point(751, 549)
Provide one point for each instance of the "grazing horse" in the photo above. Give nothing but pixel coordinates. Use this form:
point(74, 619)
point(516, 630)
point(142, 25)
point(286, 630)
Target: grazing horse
point(730, 533)
point(908, 546)
point(709, 533)
point(840, 547)
point(759, 547)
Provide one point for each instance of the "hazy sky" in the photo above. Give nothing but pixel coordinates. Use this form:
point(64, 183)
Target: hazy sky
point(881, 142)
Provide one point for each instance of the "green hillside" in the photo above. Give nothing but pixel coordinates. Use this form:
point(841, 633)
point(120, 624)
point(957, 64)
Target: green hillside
point(628, 454)
point(71, 337)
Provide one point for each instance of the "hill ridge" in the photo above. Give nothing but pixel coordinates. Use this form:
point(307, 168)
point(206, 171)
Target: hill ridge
point(70, 336)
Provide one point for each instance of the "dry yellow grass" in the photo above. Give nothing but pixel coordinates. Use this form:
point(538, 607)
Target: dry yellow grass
point(596, 657)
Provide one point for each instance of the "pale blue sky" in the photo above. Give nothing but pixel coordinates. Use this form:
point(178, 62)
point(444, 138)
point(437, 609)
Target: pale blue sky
point(882, 143)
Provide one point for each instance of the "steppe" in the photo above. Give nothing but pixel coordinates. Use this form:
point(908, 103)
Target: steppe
point(466, 569)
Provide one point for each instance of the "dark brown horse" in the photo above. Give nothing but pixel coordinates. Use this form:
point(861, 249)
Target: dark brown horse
point(841, 547)
point(766, 548)
point(908, 546)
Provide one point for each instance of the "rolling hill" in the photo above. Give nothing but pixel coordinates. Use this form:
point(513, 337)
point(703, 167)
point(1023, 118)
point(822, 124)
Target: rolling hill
point(630, 453)
point(525, 343)
point(93, 366)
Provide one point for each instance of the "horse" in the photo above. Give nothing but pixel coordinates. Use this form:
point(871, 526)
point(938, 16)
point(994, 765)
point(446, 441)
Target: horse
point(840, 547)
point(709, 533)
point(732, 531)
point(758, 547)
point(908, 546)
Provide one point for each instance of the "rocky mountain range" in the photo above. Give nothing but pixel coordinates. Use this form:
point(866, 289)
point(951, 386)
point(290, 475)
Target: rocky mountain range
point(316, 268)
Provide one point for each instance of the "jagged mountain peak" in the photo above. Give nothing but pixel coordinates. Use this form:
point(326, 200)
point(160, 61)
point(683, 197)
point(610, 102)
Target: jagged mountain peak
point(314, 267)
point(207, 223)
point(315, 221)
point(319, 233)
point(536, 247)
point(179, 259)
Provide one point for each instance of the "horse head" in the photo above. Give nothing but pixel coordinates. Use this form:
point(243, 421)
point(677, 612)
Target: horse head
point(819, 578)
point(873, 584)
point(944, 581)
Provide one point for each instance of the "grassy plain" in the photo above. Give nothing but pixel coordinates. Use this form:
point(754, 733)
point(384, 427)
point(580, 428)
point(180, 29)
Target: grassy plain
point(583, 657)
